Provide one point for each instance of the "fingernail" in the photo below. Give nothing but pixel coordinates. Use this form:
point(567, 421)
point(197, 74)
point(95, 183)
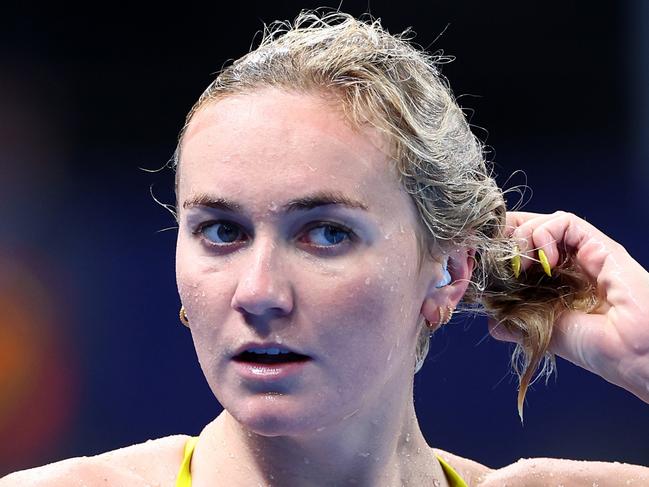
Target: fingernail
point(544, 262)
point(516, 262)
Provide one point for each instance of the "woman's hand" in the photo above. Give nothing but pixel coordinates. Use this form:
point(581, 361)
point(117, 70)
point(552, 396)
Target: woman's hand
point(613, 340)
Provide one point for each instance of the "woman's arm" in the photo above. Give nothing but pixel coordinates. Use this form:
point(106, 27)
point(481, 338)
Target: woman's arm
point(542, 472)
point(613, 340)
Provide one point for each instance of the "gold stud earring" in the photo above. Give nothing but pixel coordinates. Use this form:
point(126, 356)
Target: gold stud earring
point(183, 316)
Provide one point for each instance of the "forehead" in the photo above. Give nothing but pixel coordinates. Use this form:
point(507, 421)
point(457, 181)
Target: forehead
point(282, 142)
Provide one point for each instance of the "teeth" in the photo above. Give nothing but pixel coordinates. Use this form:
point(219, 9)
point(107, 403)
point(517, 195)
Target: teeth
point(269, 351)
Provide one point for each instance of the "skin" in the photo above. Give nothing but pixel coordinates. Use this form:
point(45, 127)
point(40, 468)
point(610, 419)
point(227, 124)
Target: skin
point(275, 284)
point(352, 304)
point(611, 341)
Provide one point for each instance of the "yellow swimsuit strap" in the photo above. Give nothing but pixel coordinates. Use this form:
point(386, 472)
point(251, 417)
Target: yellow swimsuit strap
point(184, 478)
point(452, 476)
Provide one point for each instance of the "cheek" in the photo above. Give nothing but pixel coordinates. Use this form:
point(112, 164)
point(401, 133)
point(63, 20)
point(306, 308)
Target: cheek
point(204, 290)
point(369, 310)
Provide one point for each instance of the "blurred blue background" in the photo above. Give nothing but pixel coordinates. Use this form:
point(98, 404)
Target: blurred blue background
point(92, 355)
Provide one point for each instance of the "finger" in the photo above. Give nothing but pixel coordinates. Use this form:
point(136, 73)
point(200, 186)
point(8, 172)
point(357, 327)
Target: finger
point(514, 219)
point(582, 339)
point(499, 332)
point(535, 235)
point(529, 240)
point(590, 246)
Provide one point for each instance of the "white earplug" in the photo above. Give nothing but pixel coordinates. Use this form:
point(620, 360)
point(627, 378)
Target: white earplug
point(447, 276)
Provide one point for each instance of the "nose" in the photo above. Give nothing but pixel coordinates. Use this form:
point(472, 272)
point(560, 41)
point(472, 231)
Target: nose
point(263, 286)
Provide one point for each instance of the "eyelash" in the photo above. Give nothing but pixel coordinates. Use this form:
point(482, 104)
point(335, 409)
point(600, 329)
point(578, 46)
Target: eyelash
point(322, 224)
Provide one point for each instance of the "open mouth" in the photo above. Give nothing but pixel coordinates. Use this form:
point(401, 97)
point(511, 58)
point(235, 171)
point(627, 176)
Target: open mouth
point(265, 358)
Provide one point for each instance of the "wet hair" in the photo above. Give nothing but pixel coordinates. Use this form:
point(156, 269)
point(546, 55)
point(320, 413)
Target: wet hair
point(387, 81)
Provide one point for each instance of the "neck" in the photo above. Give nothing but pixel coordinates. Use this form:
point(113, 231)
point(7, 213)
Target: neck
point(382, 445)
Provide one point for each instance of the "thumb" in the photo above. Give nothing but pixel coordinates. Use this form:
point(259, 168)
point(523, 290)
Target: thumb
point(499, 332)
point(585, 340)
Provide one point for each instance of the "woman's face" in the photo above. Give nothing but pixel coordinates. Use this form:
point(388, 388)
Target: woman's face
point(268, 261)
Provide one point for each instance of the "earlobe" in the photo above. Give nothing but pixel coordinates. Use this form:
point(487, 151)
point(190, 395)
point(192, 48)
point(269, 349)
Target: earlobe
point(457, 269)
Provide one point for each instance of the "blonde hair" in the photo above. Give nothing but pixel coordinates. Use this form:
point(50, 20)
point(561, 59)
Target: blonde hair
point(386, 81)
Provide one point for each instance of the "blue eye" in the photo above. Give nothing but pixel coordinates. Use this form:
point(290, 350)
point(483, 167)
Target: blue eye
point(224, 233)
point(331, 234)
point(219, 234)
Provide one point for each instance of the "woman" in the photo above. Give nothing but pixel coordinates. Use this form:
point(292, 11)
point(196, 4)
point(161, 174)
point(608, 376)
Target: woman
point(334, 208)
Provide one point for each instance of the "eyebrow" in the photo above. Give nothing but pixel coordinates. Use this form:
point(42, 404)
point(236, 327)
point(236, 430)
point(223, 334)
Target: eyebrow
point(305, 203)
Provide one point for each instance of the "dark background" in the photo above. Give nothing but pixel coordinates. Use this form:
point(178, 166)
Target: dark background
point(92, 355)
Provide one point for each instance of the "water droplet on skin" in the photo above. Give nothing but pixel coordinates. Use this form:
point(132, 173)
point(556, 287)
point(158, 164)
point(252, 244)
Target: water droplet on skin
point(368, 281)
point(436, 483)
point(306, 460)
point(407, 437)
point(364, 454)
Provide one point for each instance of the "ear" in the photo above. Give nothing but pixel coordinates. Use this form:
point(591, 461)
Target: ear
point(460, 266)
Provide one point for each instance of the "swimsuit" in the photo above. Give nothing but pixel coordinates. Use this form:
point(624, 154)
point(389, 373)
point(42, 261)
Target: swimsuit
point(184, 478)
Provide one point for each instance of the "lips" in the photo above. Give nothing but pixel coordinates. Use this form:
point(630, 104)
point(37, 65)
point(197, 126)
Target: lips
point(262, 358)
point(242, 351)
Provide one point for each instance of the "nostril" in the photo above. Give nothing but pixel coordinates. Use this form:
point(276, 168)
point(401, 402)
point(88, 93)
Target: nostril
point(257, 303)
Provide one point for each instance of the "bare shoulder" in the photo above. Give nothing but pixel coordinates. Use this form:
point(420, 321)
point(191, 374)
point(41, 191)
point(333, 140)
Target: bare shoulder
point(152, 462)
point(156, 460)
point(471, 471)
point(540, 472)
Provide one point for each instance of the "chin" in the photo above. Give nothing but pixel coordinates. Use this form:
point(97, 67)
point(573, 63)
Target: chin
point(275, 415)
